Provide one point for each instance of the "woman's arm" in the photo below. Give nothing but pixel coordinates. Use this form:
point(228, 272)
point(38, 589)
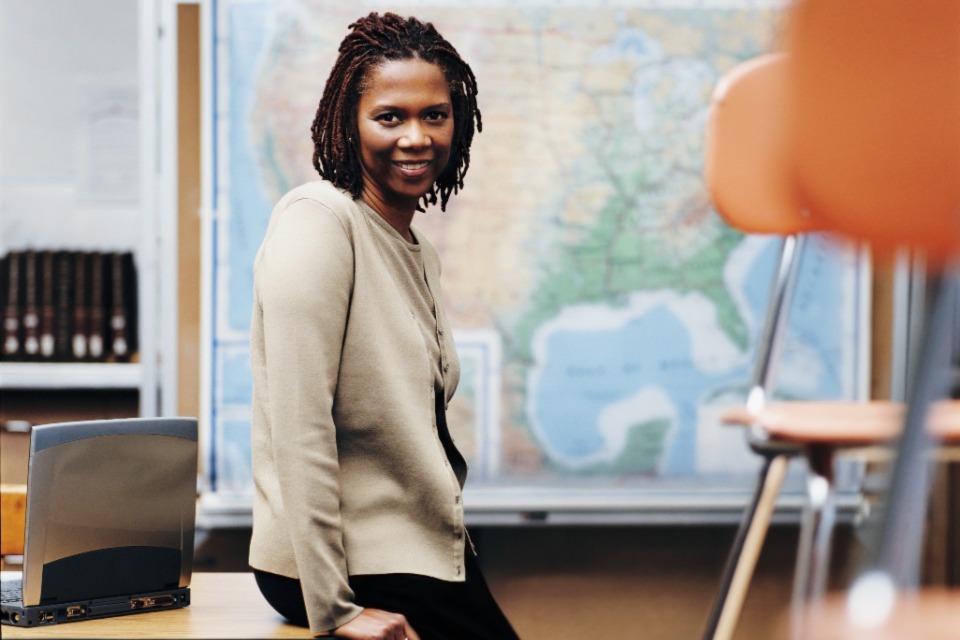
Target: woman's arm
point(304, 278)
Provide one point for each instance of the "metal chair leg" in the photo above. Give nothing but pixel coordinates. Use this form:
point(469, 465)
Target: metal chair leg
point(901, 537)
point(895, 565)
point(816, 534)
point(742, 560)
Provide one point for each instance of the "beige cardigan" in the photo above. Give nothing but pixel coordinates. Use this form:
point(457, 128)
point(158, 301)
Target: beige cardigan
point(350, 473)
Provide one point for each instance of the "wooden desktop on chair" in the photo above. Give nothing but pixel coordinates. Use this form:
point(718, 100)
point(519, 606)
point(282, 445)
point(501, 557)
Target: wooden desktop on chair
point(13, 511)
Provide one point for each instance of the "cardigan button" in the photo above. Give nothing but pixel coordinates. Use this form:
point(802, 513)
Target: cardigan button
point(440, 330)
point(446, 368)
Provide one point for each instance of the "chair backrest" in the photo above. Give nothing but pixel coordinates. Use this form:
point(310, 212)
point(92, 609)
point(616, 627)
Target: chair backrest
point(874, 138)
point(874, 134)
point(746, 170)
point(746, 159)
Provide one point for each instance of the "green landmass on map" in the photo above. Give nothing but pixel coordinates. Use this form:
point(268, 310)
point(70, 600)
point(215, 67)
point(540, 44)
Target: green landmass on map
point(640, 454)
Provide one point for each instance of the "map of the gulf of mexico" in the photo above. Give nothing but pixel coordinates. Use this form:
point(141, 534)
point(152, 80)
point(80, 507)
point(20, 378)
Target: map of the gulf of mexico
point(604, 313)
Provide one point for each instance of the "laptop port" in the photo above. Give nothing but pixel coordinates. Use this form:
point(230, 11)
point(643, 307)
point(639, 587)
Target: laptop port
point(45, 616)
point(75, 611)
point(15, 618)
point(149, 602)
point(5, 615)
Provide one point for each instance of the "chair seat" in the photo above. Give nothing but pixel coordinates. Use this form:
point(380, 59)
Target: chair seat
point(842, 423)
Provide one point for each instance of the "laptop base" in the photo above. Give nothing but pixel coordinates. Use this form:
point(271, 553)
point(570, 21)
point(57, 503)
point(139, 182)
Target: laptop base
point(14, 613)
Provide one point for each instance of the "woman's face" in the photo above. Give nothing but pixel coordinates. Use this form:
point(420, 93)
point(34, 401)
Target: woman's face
point(405, 126)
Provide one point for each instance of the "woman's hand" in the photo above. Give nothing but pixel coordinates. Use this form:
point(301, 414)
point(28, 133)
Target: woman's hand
point(374, 624)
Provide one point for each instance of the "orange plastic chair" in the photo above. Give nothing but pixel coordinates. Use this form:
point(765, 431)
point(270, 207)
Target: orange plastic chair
point(748, 170)
point(747, 174)
point(874, 138)
point(873, 132)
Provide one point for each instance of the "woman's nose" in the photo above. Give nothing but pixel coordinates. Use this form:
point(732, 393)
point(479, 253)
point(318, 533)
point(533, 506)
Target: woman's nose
point(415, 136)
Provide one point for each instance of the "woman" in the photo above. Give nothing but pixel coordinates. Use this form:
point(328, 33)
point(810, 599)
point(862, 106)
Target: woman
point(358, 519)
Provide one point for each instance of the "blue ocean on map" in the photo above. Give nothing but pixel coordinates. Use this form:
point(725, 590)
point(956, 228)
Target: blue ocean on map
point(585, 371)
point(589, 370)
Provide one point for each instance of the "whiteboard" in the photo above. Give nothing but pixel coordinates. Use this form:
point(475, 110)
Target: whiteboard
point(604, 314)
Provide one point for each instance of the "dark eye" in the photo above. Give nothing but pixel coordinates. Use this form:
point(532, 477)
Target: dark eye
point(388, 118)
point(437, 115)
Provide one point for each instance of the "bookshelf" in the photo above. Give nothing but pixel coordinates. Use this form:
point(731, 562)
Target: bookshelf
point(70, 375)
point(78, 172)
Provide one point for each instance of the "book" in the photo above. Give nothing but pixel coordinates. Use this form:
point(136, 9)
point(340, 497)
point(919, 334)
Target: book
point(31, 308)
point(11, 306)
point(60, 305)
point(123, 306)
point(47, 309)
point(96, 311)
point(78, 338)
point(63, 302)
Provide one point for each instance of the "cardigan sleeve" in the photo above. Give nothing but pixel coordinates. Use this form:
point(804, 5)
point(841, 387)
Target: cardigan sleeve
point(304, 278)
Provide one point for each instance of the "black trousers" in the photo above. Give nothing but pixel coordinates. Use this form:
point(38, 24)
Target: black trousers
point(436, 609)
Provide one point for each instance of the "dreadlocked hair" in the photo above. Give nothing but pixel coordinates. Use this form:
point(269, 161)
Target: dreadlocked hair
point(372, 40)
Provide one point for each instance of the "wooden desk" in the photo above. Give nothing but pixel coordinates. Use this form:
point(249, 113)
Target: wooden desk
point(223, 605)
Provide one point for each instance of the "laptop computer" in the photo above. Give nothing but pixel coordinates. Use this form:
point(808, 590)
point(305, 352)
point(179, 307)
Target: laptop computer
point(110, 517)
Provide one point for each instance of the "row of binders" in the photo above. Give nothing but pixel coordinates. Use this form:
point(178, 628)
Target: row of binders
point(68, 306)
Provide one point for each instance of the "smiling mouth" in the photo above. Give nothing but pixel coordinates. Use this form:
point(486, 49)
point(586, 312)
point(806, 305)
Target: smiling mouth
point(413, 166)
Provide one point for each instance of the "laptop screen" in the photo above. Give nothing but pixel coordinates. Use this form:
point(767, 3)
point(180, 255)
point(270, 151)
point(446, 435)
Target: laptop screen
point(110, 508)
